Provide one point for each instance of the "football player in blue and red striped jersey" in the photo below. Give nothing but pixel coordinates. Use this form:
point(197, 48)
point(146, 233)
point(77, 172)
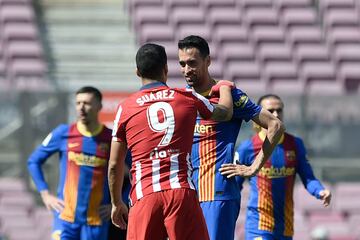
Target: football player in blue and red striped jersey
point(82, 205)
point(214, 142)
point(270, 210)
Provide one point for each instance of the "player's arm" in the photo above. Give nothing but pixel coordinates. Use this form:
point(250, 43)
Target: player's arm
point(119, 211)
point(224, 109)
point(275, 129)
point(49, 146)
point(311, 183)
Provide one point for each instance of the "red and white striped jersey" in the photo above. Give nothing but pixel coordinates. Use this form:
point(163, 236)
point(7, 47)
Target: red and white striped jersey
point(157, 124)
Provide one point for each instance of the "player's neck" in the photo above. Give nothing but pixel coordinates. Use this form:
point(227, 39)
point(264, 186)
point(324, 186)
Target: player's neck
point(206, 86)
point(90, 127)
point(146, 81)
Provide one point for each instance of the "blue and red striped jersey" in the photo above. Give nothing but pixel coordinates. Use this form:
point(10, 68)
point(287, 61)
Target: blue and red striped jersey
point(270, 206)
point(214, 145)
point(83, 170)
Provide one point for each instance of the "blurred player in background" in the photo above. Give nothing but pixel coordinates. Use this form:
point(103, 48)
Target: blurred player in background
point(270, 207)
point(214, 142)
point(82, 204)
point(157, 125)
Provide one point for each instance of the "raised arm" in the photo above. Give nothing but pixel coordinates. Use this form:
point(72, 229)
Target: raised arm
point(224, 109)
point(119, 212)
point(275, 129)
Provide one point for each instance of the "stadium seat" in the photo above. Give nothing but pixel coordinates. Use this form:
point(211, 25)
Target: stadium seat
point(326, 217)
point(304, 34)
point(261, 17)
point(317, 70)
point(311, 52)
point(156, 33)
point(224, 16)
point(338, 35)
point(181, 3)
point(274, 51)
point(24, 49)
point(255, 3)
point(284, 4)
point(347, 53)
point(233, 34)
point(341, 18)
point(27, 68)
point(20, 31)
point(16, 14)
point(268, 34)
point(194, 29)
point(216, 69)
point(186, 15)
point(14, 2)
point(349, 75)
point(347, 189)
point(299, 17)
point(242, 70)
point(286, 86)
point(237, 51)
point(326, 5)
point(277, 70)
point(10, 185)
point(208, 4)
point(325, 88)
point(149, 15)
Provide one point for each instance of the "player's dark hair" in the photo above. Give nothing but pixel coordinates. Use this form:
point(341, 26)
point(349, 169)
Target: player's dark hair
point(197, 42)
point(151, 60)
point(268, 96)
point(89, 89)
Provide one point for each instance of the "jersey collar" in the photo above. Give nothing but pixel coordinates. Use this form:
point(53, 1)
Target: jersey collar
point(262, 136)
point(82, 129)
point(153, 85)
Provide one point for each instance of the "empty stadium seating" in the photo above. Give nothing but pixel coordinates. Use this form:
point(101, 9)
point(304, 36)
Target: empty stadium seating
point(313, 41)
point(21, 53)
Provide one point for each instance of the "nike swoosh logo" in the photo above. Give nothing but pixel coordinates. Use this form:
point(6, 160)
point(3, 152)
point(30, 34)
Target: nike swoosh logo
point(72, 145)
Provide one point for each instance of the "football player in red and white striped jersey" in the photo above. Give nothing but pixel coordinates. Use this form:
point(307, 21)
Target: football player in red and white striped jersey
point(157, 124)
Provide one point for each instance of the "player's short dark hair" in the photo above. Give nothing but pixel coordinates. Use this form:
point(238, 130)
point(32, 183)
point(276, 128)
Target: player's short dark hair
point(89, 89)
point(268, 96)
point(151, 60)
point(197, 42)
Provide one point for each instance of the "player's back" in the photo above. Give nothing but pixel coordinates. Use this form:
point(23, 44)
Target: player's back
point(158, 123)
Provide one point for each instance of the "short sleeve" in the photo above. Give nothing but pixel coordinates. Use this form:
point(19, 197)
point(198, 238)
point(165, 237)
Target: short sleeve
point(118, 133)
point(244, 108)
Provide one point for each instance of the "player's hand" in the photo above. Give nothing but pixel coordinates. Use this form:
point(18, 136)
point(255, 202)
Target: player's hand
point(325, 196)
point(105, 212)
point(51, 202)
point(119, 215)
point(230, 170)
point(215, 90)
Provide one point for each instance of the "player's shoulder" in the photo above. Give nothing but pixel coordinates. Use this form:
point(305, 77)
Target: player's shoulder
point(61, 128)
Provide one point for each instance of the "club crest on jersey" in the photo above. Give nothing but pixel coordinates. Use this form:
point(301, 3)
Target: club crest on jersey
point(290, 155)
point(241, 102)
point(104, 147)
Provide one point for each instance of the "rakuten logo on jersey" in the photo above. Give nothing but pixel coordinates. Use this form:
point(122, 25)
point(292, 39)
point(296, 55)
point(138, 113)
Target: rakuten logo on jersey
point(203, 129)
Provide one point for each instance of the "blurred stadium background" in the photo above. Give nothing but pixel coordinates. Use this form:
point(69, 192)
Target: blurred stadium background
point(307, 51)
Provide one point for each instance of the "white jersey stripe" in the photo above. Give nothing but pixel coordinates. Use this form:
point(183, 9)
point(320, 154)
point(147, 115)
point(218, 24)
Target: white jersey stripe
point(189, 172)
point(156, 175)
point(116, 122)
point(204, 100)
point(138, 187)
point(174, 170)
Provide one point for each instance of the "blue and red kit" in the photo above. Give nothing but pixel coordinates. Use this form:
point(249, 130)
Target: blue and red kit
point(83, 161)
point(270, 210)
point(214, 145)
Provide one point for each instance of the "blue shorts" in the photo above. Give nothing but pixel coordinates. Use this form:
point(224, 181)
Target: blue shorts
point(57, 227)
point(220, 217)
point(76, 231)
point(263, 235)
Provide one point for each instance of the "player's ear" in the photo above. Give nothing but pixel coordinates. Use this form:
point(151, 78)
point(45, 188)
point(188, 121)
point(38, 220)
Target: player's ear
point(208, 60)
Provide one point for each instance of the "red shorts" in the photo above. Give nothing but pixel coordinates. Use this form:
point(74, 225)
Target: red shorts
point(175, 214)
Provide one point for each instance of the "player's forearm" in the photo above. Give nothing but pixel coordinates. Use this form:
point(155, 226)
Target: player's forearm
point(275, 131)
point(224, 109)
point(116, 172)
